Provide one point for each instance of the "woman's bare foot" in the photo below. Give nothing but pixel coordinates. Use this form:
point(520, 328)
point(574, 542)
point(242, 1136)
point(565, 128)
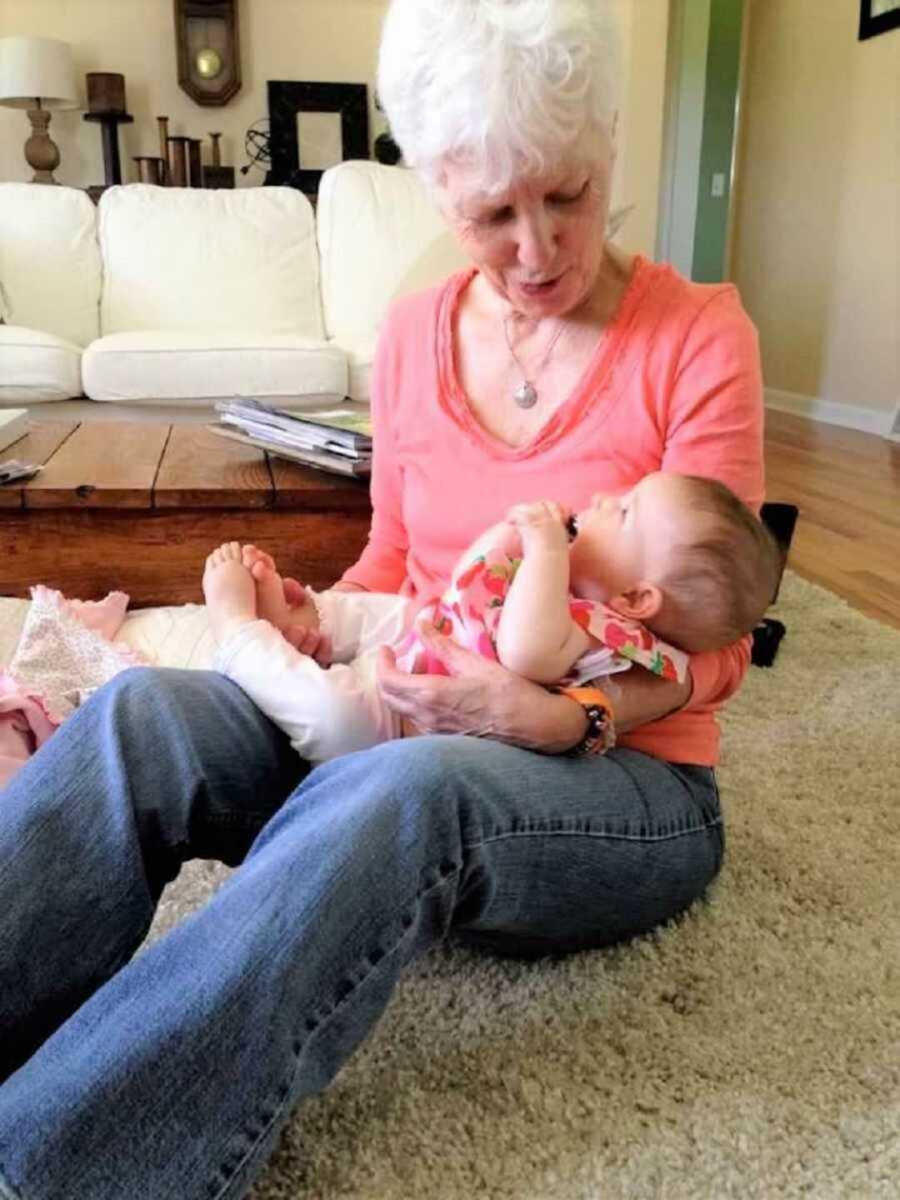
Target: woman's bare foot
point(271, 595)
point(229, 591)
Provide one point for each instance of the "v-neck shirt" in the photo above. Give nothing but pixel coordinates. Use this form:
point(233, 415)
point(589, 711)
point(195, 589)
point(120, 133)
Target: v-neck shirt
point(455, 403)
point(673, 384)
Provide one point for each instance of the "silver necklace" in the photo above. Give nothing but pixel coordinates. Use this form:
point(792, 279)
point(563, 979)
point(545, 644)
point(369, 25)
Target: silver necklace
point(526, 395)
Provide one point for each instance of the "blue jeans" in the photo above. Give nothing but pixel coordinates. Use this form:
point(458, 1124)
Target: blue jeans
point(170, 1076)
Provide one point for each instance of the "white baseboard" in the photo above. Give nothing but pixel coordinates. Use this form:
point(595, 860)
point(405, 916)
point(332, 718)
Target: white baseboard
point(867, 420)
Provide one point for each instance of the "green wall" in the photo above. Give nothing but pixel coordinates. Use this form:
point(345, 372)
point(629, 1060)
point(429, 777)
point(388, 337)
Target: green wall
point(722, 77)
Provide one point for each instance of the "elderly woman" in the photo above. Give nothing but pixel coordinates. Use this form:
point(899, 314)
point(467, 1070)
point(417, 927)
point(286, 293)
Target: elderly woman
point(556, 365)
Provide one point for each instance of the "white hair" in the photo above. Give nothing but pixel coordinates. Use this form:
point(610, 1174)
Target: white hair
point(510, 87)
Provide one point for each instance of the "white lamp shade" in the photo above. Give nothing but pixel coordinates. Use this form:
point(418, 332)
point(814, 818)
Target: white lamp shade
point(34, 68)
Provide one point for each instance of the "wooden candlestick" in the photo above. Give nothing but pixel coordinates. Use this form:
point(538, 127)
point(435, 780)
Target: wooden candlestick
point(215, 175)
point(150, 169)
point(178, 161)
point(195, 163)
point(106, 92)
point(110, 123)
point(163, 123)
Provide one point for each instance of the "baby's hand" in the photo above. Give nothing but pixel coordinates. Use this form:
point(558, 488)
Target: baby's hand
point(541, 523)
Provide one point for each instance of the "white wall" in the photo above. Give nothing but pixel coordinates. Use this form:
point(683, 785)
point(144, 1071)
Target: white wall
point(817, 253)
point(644, 25)
point(316, 40)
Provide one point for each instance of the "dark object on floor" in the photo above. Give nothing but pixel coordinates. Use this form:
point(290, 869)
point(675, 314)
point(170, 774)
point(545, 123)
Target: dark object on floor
point(766, 638)
point(780, 520)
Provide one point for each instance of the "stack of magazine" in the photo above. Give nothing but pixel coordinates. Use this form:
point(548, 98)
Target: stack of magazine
point(337, 439)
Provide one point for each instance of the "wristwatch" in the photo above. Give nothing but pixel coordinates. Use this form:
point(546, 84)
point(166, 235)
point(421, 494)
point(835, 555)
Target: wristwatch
point(600, 734)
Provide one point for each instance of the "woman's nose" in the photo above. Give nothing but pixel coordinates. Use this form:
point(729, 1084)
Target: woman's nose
point(537, 242)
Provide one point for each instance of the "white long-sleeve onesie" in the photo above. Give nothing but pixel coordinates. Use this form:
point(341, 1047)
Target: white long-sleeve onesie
point(325, 712)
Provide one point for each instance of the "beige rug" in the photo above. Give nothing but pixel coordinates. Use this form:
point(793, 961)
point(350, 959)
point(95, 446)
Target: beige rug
point(751, 1050)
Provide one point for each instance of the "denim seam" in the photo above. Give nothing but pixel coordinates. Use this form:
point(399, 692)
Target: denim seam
point(589, 833)
point(284, 1089)
point(7, 1191)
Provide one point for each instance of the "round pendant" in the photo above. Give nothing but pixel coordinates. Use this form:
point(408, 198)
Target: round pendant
point(525, 395)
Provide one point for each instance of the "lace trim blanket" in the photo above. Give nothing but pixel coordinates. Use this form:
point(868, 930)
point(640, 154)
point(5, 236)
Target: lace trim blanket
point(67, 650)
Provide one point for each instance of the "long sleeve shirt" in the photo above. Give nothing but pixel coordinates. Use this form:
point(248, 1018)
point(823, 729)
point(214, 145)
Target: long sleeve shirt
point(674, 385)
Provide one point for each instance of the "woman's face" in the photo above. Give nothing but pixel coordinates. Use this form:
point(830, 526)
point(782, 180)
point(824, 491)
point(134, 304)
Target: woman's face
point(539, 244)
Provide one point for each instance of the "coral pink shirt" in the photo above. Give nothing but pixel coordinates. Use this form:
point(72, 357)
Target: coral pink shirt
point(675, 385)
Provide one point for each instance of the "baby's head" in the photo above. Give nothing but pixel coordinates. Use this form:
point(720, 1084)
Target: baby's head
point(680, 553)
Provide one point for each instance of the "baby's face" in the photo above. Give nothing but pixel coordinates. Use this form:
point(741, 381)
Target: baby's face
point(624, 540)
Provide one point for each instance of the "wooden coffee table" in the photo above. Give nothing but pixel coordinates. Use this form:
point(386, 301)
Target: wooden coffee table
point(137, 507)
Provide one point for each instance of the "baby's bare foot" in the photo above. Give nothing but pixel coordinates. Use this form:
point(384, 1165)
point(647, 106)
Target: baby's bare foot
point(270, 602)
point(229, 591)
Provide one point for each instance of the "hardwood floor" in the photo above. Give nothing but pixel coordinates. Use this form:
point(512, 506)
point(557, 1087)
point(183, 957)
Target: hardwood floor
point(847, 487)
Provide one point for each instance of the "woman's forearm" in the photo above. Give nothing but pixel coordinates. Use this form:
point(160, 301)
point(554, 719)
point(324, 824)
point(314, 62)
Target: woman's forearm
point(558, 723)
point(639, 697)
point(550, 723)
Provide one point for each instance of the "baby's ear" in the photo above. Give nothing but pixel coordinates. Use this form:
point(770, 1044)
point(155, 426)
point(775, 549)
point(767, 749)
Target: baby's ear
point(639, 603)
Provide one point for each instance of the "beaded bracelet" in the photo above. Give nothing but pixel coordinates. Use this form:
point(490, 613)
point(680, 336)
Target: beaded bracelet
point(600, 734)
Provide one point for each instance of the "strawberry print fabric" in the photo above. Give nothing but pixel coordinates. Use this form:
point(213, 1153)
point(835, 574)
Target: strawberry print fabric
point(469, 612)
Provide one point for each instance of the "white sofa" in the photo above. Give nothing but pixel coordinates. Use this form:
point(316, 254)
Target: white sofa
point(171, 298)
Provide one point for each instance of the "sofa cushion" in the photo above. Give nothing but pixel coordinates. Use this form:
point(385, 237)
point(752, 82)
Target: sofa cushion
point(380, 237)
point(200, 367)
point(36, 366)
point(192, 260)
point(49, 261)
point(360, 353)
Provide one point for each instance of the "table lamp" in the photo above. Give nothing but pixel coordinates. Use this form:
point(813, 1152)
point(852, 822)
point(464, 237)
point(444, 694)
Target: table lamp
point(38, 74)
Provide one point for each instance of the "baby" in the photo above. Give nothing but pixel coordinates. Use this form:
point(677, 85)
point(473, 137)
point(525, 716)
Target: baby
point(675, 566)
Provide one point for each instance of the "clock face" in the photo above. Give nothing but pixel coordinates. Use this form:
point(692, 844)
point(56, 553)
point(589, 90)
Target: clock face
point(208, 62)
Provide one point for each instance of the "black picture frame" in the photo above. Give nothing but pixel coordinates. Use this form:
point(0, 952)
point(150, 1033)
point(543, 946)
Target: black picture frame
point(287, 98)
point(871, 24)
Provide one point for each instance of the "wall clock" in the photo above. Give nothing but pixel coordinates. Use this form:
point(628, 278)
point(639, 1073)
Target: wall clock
point(209, 63)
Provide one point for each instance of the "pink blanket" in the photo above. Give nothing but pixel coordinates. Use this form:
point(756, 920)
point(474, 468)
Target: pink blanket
point(67, 650)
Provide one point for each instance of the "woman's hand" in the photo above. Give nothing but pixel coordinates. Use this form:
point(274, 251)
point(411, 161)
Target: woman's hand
point(480, 697)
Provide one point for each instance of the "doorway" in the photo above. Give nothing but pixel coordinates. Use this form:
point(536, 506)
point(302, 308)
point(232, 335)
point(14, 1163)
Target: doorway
point(704, 77)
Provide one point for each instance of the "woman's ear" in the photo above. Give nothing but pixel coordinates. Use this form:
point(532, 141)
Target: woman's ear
point(639, 603)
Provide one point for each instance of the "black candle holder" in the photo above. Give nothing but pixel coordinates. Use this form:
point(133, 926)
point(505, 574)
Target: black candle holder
point(110, 123)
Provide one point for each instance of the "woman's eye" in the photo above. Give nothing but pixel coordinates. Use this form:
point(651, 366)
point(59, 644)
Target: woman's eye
point(571, 199)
